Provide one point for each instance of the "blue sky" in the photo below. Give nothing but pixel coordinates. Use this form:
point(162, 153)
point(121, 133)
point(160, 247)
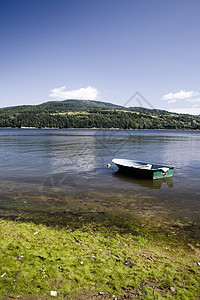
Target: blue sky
point(101, 49)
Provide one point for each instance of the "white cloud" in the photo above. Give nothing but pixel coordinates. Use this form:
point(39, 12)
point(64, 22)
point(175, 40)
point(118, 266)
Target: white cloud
point(88, 93)
point(186, 110)
point(171, 101)
point(194, 100)
point(181, 95)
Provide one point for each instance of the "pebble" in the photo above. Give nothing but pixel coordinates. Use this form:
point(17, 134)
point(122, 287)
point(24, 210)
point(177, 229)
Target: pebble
point(53, 293)
point(101, 293)
point(20, 257)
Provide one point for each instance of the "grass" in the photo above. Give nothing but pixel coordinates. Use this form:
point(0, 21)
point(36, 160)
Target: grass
point(94, 260)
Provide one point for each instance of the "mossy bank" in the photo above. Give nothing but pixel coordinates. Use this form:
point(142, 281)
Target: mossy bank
point(95, 262)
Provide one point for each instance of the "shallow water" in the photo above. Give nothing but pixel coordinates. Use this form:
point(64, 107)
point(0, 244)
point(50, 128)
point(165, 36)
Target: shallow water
point(48, 169)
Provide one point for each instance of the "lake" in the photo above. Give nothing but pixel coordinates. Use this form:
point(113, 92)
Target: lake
point(48, 170)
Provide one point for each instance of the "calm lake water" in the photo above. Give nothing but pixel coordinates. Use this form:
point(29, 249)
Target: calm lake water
point(46, 169)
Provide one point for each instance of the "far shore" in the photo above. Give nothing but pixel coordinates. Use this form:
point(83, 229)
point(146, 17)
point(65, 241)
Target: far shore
point(95, 128)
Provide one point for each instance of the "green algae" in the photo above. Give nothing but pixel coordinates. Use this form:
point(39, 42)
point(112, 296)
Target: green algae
point(96, 259)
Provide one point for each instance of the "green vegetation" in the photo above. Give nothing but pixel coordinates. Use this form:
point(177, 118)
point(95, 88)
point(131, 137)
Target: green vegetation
point(93, 114)
point(95, 261)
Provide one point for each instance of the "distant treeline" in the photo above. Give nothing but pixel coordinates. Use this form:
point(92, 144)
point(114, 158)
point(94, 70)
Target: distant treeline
point(100, 119)
point(93, 114)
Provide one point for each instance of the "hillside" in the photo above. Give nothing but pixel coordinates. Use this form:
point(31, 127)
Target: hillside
point(93, 114)
point(62, 106)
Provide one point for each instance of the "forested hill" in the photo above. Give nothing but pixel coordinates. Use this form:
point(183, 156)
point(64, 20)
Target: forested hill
point(93, 114)
point(62, 106)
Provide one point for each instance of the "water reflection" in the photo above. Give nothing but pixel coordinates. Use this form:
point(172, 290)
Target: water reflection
point(148, 183)
point(72, 154)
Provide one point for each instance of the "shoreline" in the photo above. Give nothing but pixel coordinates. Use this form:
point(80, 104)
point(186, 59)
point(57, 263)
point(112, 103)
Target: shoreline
point(88, 252)
point(95, 128)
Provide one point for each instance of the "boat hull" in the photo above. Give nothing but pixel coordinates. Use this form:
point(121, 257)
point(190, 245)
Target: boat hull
point(155, 173)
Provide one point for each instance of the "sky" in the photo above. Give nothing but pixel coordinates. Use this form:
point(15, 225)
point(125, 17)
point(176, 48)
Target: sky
point(127, 52)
